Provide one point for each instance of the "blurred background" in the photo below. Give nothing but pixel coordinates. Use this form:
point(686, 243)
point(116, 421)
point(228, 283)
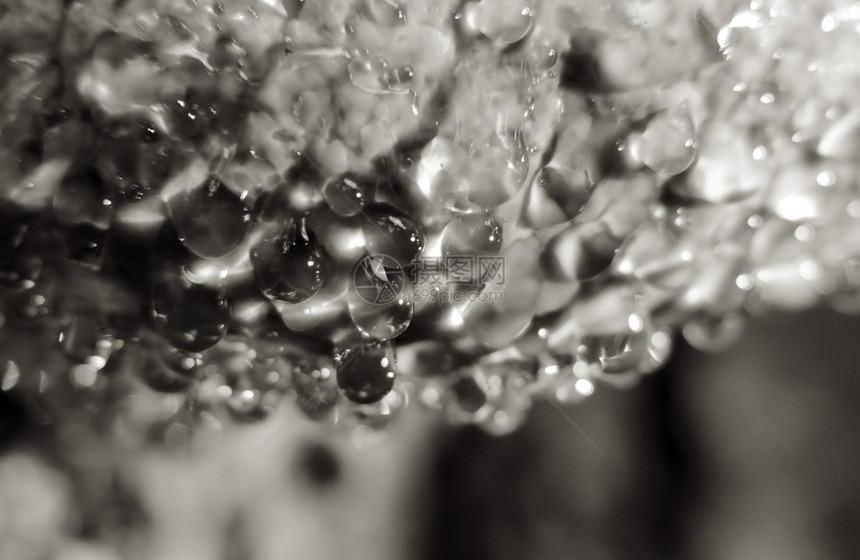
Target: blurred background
point(750, 453)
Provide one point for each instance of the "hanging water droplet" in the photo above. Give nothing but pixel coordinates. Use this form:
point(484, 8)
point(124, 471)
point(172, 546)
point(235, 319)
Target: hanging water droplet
point(619, 352)
point(579, 252)
point(366, 374)
point(465, 179)
point(503, 21)
point(506, 305)
point(209, 218)
point(714, 334)
point(380, 415)
point(192, 317)
point(668, 144)
point(380, 298)
point(659, 351)
point(557, 195)
point(345, 195)
point(166, 369)
point(288, 267)
point(472, 234)
point(83, 208)
point(659, 256)
point(390, 232)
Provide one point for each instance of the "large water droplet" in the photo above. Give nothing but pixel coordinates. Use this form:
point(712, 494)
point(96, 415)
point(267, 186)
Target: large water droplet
point(506, 305)
point(472, 234)
point(503, 21)
point(366, 374)
point(345, 195)
point(668, 144)
point(209, 218)
point(557, 194)
point(191, 316)
point(83, 208)
point(380, 298)
point(579, 252)
point(465, 179)
point(659, 256)
point(390, 232)
point(288, 266)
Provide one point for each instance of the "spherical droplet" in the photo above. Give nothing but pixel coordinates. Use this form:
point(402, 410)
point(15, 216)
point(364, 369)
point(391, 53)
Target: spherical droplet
point(366, 374)
point(83, 208)
point(345, 195)
point(668, 144)
point(472, 234)
point(209, 218)
point(388, 231)
point(503, 21)
point(288, 267)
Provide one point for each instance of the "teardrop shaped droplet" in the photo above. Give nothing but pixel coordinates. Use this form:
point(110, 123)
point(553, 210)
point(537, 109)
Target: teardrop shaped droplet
point(503, 21)
point(472, 234)
point(209, 218)
point(390, 232)
point(668, 144)
point(714, 334)
point(619, 352)
point(465, 179)
point(557, 195)
point(659, 256)
point(380, 299)
point(83, 208)
point(288, 266)
point(345, 195)
point(579, 252)
point(506, 305)
point(192, 317)
point(366, 374)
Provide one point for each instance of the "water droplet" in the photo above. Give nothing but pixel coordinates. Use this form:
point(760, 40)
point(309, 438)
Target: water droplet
point(11, 376)
point(85, 340)
point(375, 76)
point(288, 266)
point(579, 252)
point(842, 139)
point(659, 256)
point(166, 369)
point(390, 232)
point(472, 234)
point(366, 374)
point(503, 21)
point(668, 144)
point(380, 298)
point(505, 307)
point(381, 414)
point(557, 195)
point(466, 178)
point(345, 195)
point(714, 334)
point(209, 218)
point(619, 352)
point(83, 208)
point(192, 317)
point(316, 389)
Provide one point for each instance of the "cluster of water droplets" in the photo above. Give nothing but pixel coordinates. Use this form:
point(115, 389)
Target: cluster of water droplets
point(518, 248)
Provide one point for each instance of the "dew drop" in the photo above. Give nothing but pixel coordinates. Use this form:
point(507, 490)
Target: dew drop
point(209, 218)
point(366, 374)
point(288, 266)
point(668, 144)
